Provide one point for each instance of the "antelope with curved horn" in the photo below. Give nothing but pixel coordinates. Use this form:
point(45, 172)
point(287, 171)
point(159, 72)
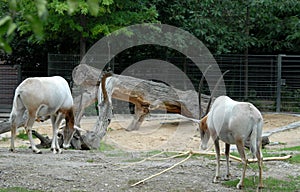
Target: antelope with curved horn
point(232, 122)
point(42, 97)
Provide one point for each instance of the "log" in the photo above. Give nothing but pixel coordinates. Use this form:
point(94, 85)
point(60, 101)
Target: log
point(145, 95)
point(4, 126)
point(45, 141)
point(86, 75)
point(148, 95)
point(87, 78)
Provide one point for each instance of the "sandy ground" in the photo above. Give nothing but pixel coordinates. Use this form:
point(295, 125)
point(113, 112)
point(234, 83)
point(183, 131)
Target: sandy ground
point(165, 132)
point(100, 171)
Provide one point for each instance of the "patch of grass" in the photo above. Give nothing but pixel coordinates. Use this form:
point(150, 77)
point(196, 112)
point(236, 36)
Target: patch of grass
point(266, 153)
point(22, 135)
point(294, 159)
point(270, 184)
point(154, 152)
point(296, 148)
point(105, 147)
point(90, 160)
point(18, 189)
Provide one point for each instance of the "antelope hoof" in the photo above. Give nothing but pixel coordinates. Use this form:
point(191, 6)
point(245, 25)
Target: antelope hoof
point(239, 186)
point(227, 177)
point(37, 152)
point(12, 150)
point(56, 151)
point(216, 179)
point(59, 151)
point(53, 150)
point(260, 187)
point(66, 146)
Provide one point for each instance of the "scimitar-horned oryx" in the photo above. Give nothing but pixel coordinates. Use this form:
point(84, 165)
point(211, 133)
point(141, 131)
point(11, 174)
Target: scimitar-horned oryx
point(232, 122)
point(41, 97)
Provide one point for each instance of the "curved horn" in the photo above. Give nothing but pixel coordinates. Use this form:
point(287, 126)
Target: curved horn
point(213, 92)
point(199, 89)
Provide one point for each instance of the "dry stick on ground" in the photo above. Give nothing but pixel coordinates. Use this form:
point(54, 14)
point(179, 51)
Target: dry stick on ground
point(191, 153)
point(249, 160)
point(155, 175)
point(155, 159)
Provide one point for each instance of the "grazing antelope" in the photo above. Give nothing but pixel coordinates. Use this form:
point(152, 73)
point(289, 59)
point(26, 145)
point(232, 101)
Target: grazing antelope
point(234, 123)
point(41, 97)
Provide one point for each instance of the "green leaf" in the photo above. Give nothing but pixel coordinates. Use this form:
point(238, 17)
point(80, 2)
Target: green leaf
point(36, 26)
point(12, 5)
point(41, 6)
point(93, 7)
point(73, 5)
point(11, 28)
point(5, 46)
point(5, 20)
point(4, 24)
point(107, 2)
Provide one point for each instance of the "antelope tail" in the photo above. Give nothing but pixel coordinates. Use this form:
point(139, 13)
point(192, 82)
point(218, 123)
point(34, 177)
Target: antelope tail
point(255, 137)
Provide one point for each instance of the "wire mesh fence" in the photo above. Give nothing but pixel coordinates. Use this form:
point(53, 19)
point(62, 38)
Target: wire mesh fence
point(271, 82)
point(62, 65)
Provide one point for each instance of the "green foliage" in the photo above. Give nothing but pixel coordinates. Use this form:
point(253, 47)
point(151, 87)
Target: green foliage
point(277, 25)
point(105, 147)
point(90, 161)
point(262, 26)
point(270, 184)
point(295, 159)
point(22, 135)
point(44, 20)
point(272, 26)
point(295, 148)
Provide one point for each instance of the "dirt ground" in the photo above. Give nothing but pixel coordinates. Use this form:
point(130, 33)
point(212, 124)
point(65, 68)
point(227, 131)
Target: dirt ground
point(113, 170)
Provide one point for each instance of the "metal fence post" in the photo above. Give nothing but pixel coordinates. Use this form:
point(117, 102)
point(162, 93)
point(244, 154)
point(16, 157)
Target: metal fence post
point(278, 92)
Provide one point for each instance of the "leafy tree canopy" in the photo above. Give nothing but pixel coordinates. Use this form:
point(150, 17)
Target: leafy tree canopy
point(224, 26)
point(273, 26)
point(41, 21)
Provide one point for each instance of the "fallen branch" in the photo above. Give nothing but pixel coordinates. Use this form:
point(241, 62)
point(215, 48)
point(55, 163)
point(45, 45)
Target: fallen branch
point(45, 141)
point(157, 174)
point(294, 125)
point(249, 160)
point(191, 153)
point(271, 159)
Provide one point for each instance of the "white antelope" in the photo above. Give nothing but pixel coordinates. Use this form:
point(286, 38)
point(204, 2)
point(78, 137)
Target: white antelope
point(43, 96)
point(234, 123)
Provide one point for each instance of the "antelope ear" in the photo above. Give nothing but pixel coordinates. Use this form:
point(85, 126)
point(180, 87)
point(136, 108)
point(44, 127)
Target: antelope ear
point(204, 124)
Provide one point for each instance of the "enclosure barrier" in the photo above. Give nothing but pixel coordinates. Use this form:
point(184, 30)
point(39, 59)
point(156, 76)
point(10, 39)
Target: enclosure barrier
point(271, 82)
